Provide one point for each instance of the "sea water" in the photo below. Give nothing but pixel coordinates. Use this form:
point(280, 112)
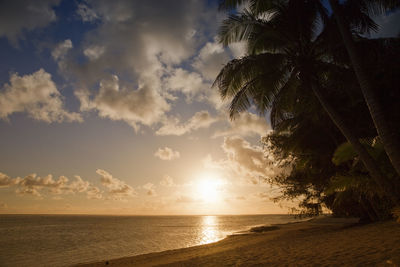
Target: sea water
point(63, 240)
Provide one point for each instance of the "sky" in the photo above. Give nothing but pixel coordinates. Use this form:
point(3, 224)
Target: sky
point(107, 107)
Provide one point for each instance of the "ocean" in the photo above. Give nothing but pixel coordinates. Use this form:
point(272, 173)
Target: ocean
point(64, 240)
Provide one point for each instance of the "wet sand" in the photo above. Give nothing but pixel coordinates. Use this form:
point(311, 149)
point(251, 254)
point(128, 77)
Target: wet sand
point(323, 241)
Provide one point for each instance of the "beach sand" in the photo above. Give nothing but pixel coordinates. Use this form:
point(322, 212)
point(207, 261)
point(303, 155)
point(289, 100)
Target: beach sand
point(318, 242)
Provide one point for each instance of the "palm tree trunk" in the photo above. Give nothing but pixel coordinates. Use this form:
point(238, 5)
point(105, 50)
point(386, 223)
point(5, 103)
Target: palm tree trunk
point(365, 157)
point(390, 140)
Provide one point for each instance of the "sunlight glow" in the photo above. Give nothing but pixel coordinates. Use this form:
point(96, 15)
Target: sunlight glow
point(210, 231)
point(209, 187)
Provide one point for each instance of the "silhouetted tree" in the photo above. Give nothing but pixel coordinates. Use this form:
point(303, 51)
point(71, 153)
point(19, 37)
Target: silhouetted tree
point(284, 52)
point(361, 11)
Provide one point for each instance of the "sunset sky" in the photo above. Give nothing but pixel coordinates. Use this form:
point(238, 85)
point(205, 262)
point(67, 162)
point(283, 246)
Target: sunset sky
point(106, 107)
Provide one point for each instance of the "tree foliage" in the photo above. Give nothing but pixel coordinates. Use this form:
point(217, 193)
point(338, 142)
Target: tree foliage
point(291, 44)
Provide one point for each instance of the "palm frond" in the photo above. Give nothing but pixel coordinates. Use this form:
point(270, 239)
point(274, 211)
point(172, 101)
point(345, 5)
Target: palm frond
point(238, 72)
point(237, 28)
point(280, 106)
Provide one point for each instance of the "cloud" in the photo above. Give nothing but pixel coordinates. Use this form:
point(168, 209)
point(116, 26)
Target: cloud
point(94, 193)
point(263, 195)
point(167, 181)
point(94, 52)
point(173, 126)
point(61, 49)
point(210, 60)
point(33, 185)
point(238, 49)
point(37, 95)
point(78, 185)
point(6, 181)
point(117, 189)
point(86, 13)
point(244, 160)
point(18, 16)
point(245, 124)
point(167, 153)
point(191, 84)
point(150, 191)
point(124, 43)
point(138, 106)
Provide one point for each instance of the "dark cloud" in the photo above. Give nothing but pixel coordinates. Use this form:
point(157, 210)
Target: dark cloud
point(17, 16)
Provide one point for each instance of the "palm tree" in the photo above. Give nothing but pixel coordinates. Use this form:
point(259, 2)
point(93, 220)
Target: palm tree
point(283, 53)
point(390, 139)
point(355, 15)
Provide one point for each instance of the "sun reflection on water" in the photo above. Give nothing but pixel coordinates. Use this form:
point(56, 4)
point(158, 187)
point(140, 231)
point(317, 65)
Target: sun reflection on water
point(209, 231)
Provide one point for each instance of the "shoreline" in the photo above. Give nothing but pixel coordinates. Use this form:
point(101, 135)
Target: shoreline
point(321, 241)
point(249, 230)
point(262, 228)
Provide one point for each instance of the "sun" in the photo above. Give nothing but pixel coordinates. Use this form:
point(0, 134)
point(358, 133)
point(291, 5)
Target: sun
point(208, 187)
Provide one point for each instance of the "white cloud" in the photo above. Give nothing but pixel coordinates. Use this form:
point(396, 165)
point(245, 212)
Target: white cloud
point(37, 95)
point(212, 57)
point(117, 189)
point(94, 193)
point(150, 191)
point(193, 86)
point(141, 106)
point(167, 153)
point(94, 52)
point(78, 185)
point(210, 60)
point(245, 124)
point(18, 16)
point(189, 83)
point(33, 185)
point(238, 50)
point(263, 195)
point(86, 13)
point(36, 185)
point(127, 43)
point(61, 49)
point(173, 126)
point(6, 181)
point(245, 161)
point(167, 181)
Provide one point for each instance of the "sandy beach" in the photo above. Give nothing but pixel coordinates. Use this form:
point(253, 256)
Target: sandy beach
point(323, 241)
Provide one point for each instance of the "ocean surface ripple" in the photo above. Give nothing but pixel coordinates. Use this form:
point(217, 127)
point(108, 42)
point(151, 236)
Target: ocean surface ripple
point(63, 240)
